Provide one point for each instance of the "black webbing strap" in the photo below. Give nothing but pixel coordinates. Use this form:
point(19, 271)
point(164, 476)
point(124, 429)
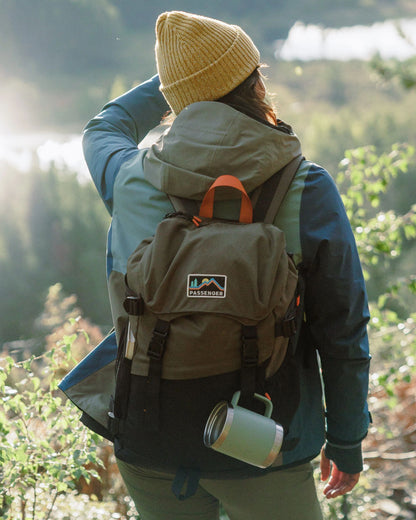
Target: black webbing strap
point(119, 403)
point(155, 351)
point(272, 193)
point(249, 361)
point(185, 484)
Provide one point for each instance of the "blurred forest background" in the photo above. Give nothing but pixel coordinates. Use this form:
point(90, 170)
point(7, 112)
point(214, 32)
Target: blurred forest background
point(60, 62)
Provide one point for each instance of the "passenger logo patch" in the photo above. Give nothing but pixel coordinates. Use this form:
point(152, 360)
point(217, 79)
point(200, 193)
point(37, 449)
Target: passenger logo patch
point(206, 286)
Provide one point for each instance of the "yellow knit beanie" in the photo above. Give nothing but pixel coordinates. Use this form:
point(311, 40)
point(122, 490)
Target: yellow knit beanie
point(200, 59)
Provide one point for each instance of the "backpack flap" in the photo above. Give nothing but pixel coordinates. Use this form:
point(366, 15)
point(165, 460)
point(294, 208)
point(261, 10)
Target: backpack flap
point(219, 267)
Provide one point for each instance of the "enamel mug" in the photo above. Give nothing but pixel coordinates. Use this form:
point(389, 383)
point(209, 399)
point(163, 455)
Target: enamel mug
point(242, 434)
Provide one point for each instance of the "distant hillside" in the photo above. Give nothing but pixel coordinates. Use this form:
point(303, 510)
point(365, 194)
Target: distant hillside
point(60, 59)
point(77, 37)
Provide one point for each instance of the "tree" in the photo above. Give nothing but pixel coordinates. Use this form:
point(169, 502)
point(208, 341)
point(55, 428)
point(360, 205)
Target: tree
point(55, 233)
point(404, 72)
point(59, 36)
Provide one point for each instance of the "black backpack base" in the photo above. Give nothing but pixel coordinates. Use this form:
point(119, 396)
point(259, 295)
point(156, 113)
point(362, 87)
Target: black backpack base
point(178, 442)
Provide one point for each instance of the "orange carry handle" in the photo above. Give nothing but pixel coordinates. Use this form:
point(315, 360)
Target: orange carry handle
point(207, 206)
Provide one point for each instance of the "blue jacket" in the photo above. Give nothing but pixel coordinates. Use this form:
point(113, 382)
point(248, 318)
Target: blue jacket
point(134, 162)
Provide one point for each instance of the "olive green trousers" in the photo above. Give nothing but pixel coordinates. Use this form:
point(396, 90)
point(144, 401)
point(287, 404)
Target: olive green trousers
point(287, 494)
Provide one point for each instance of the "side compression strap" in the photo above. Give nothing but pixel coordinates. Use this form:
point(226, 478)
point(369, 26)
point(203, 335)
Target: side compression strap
point(155, 351)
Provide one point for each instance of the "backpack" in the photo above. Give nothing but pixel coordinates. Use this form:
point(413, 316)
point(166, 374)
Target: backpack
point(213, 308)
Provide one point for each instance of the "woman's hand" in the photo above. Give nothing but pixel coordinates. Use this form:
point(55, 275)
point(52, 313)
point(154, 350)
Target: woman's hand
point(339, 482)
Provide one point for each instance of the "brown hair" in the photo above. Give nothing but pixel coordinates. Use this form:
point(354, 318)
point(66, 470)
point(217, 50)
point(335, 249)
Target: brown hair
point(246, 98)
point(249, 99)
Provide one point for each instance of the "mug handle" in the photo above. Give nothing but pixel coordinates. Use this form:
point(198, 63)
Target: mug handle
point(267, 402)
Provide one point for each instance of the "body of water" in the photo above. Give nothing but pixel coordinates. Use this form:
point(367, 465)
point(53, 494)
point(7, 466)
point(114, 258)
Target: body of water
point(25, 150)
point(390, 39)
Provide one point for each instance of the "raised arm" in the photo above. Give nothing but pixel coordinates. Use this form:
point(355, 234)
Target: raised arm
point(111, 137)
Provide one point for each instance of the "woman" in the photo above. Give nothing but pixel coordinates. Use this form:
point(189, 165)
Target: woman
point(208, 75)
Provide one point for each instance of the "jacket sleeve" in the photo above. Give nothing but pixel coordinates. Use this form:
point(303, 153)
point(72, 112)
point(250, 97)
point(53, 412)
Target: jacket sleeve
point(336, 310)
point(111, 137)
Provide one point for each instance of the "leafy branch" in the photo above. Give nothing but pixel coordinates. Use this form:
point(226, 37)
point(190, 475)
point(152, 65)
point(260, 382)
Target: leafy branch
point(44, 449)
point(364, 178)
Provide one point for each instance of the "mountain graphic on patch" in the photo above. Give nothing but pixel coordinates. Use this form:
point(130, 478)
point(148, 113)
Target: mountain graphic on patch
point(206, 286)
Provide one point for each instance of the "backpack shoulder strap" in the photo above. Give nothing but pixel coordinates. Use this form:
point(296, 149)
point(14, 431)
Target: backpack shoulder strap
point(272, 193)
point(267, 199)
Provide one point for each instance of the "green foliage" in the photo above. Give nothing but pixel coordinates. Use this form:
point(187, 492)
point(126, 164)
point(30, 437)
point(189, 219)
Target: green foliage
point(381, 236)
point(403, 72)
point(44, 449)
point(335, 106)
point(364, 178)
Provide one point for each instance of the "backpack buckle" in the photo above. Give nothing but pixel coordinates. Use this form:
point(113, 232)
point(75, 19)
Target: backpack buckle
point(286, 328)
point(157, 344)
point(133, 305)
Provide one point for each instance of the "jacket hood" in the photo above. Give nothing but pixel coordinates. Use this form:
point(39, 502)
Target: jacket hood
point(208, 139)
